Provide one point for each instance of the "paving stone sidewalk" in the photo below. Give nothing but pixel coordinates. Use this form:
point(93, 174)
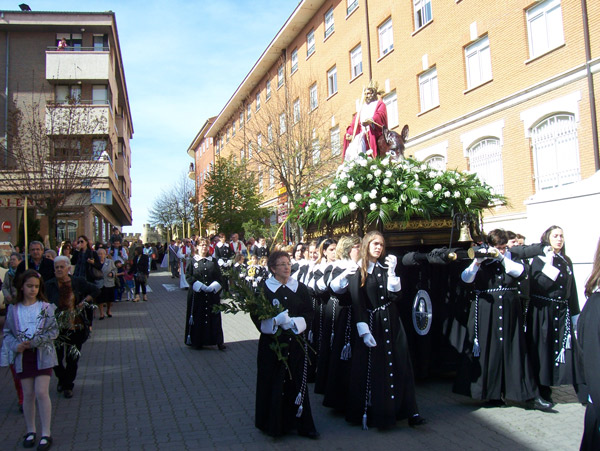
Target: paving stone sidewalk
point(140, 388)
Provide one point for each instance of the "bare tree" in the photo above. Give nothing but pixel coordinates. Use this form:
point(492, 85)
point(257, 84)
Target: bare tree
point(173, 208)
point(289, 137)
point(54, 156)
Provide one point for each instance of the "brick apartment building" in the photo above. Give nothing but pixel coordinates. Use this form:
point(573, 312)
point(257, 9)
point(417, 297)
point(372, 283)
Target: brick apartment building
point(86, 76)
point(505, 89)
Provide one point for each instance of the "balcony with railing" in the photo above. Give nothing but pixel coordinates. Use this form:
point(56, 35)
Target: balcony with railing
point(85, 64)
point(85, 117)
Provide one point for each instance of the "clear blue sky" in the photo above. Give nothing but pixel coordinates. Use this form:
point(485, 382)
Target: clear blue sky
point(183, 60)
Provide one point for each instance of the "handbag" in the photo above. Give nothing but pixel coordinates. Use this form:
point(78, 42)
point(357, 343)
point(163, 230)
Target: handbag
point(141, 277)
point(97, 273)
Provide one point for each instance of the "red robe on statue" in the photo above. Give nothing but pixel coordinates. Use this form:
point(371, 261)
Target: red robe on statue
point(373, 132)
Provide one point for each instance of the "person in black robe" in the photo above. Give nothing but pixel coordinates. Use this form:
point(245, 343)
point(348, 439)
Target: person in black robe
point(382, 385)
point(203, 326)
point(282, 402)
point(495, 366)
point(588, 341)
point(552, 315)
point(223, 253)
point(343, 336)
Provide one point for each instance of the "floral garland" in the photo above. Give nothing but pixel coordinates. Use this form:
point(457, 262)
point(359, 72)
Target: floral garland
point(389, 189)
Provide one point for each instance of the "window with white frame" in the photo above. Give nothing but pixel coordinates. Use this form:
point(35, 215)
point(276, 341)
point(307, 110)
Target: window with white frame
point(258, 142)
point(249, 150)
point(260, 181)
point(479, 62)
point(310, 43)
point(485, 159)
point(294, 60)
point(242, 154)
point(314, 101)
point(296, 109)
point(241, 119)
point(280, 76)
point(248, 111)
point(329, 24)
point(268, 93)
point(437, 162)
point(100, 94)
point(257, 101)
point(233, 129)
point(544, 27)
point(332, 81)
point(334, 134)
point(356, 61)
point(428, 90)
point(555, 151)
point(270, 133)
point(351, 6)
point(271, 178)
point(67, 94)
point(386, 38)
point(316, 149)
point(422, 10)
point(282, 125)
point(391, 105)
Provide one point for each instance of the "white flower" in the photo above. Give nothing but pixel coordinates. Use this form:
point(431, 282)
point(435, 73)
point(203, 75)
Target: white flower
point(447, 194)
point(373, 167)
point(429, 194)
point(398, 182)
point(328, 204)
point(437, 187)
point(416, 176)
point(385, 161)
point(423, 167)
point(276, 302)
point(457, 194)
point(344, 199)
point(363, 163)
point(384, 200)
point(417, 184)
point(311, 201)
point(414, 201)
point(388, 173)
point(468, 201)
point(343, 176)
point(432, 174)
point(352, 206)
point(386, 181)
point(452, 181)
point(369, 152)
point(403, 197)
point(369, 176)
point(377, 172)
point(333, 186)
point(404, 186)
point(373, 206)
point(358, 197)
point(373, 194)
point(350, 184)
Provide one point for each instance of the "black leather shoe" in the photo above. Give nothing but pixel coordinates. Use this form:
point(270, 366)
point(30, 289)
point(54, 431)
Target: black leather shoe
point(29, 440)
point(416, 420)
point(313, 435)
point(68, 394)
point(539, 404)
point(45, 443)
point(221, 347)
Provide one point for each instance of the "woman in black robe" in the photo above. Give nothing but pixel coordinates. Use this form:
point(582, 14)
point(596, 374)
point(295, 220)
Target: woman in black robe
point(553, 311)
point(588, 340)
point(202, 326)
point(382, 385)
point(282, 403)
point(495, 366)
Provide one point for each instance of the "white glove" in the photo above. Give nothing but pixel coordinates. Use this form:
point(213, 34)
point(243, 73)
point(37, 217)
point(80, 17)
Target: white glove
point(213, 287)
point(369, 340)
point(348, 272)
point(198, 286)
point(548, 251)
point(282, 318)
point(220, 262)
point(391, 261)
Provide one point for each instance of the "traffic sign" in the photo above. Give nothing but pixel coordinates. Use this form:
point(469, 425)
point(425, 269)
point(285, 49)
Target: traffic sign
point(6, 226)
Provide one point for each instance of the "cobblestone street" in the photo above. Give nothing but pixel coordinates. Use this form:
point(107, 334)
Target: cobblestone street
point(140, 387)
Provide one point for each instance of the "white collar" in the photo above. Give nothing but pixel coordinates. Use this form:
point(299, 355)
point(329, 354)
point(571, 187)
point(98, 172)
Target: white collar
point(273, 284)
point(219, 244)
point(372, 265)
point(198, 257)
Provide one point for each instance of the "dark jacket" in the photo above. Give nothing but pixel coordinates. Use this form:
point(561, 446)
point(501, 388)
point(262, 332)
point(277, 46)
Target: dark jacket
point(140, 264)
point(81, 289)
point(46, 268)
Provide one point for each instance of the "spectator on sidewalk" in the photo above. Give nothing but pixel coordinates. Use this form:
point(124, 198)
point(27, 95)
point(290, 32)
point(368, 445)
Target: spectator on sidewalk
point(173, 260)
point(139, 269)
point(37, 261)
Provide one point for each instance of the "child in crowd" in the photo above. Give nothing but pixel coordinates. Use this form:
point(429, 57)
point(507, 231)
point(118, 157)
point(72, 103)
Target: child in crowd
point(120, 280)
point(29, 333)
point(129, 282)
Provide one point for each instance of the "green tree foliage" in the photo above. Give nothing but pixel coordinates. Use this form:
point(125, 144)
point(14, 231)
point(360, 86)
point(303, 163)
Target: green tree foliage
point(230, 197)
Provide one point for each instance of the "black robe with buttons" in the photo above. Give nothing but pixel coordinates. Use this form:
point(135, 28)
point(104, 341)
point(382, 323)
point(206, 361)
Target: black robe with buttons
point(547, 322)
point(390, 377)
point(502, 368)
point(276, 391)
point(206, 329)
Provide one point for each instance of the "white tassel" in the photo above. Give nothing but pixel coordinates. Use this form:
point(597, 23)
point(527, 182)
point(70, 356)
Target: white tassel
point(568, 344)
point(364, 422)
point(299, 399)
point(346, 352)
point(191, 321)
point(188, 341)
point(310, 336)
point(476, 349)
point(561, 356)
point(299, 413)
point(331, 341)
